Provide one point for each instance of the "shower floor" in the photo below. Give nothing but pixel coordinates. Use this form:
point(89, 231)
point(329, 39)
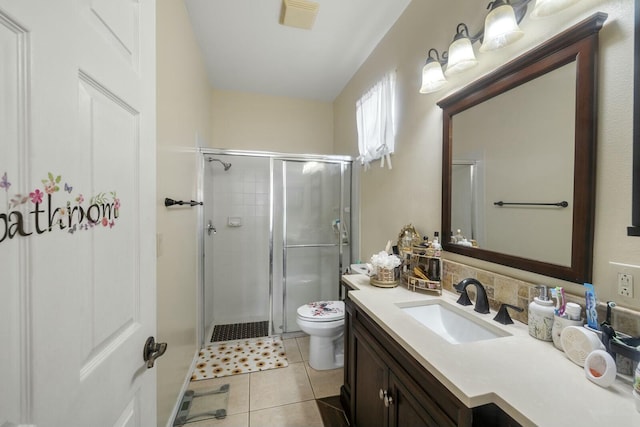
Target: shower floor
point(238, 331)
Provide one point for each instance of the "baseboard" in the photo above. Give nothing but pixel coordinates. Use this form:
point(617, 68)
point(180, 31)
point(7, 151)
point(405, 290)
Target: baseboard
point(184, 388)
point(288, 335)
point(345, 399)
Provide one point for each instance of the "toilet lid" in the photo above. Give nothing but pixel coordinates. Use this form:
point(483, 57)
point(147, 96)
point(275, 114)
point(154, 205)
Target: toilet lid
point(322, 311)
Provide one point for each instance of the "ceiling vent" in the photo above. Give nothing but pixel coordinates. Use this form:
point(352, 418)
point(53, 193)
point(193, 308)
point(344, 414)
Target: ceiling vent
point(299, 13)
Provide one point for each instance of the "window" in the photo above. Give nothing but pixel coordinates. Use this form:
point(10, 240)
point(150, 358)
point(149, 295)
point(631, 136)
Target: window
point(375, 118)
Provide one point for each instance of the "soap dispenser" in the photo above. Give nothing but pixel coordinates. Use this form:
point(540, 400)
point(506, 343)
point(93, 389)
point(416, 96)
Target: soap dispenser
point(541, 312)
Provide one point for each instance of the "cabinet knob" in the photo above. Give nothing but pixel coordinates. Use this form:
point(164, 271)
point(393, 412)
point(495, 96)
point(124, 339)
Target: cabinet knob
point(388, 400)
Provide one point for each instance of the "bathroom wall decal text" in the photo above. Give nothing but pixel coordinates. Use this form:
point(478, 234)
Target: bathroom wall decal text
point(38, 212)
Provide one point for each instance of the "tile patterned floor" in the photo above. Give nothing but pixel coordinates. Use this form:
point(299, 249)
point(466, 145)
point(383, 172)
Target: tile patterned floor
point(280, 397)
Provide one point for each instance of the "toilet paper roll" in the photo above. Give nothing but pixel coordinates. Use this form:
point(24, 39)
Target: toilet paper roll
point(600, 368)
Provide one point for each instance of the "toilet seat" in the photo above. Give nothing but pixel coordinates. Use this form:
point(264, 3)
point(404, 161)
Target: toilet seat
point(322, 311)
point(323, 321)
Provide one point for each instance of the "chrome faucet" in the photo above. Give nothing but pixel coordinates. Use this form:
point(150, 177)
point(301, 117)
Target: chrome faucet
point(482, 302)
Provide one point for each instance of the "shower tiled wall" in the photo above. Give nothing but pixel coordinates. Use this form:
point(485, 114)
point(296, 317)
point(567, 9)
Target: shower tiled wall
point(505, 289)
point(238, 256)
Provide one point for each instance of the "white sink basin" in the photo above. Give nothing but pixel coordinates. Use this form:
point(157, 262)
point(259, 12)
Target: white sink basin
point(451, 323)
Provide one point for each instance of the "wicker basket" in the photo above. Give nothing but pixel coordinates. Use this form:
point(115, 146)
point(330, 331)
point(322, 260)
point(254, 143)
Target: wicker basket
point(384, 278)
point(385, 274)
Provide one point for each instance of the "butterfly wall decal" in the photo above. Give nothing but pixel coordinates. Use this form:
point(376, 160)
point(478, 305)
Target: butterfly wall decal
point(4, 182)
point(18, 199)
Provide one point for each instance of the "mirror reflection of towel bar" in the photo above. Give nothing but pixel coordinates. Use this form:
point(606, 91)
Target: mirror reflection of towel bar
point(562, 204)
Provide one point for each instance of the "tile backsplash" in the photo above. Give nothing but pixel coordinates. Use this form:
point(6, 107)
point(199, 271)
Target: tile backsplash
point(504, 289)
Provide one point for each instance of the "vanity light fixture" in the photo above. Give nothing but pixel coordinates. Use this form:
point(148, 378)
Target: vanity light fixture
point(432, 75)
point(500, 26)
point(461, 56)
point(500, 29)
point(549, 7)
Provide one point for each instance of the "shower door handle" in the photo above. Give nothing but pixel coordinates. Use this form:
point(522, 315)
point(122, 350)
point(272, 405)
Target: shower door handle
point(211, 228)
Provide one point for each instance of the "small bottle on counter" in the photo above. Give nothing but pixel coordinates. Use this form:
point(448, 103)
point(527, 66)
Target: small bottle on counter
point(435, 244)
point(407, 241)
point(434, 269)
point(573, 311)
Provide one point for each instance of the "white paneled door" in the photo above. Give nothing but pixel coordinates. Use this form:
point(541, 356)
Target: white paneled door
point(77, 212)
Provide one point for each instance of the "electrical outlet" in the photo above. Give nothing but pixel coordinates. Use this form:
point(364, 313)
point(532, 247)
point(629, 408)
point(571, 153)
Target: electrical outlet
point(621, 279)
point(625, 285)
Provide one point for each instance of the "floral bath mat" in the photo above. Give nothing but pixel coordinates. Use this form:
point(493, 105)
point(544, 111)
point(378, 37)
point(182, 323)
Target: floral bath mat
point(240, 357)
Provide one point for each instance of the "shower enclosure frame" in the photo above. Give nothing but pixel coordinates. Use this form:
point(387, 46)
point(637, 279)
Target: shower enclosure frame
point(344, 161)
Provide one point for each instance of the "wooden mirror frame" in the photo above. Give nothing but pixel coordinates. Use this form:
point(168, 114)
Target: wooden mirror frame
point(634, 229)
point(580, 44)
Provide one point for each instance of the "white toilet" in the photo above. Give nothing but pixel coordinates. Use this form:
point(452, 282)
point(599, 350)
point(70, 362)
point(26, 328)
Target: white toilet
point(324, 322)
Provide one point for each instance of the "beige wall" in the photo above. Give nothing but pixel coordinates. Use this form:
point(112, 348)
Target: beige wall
point(183, 109)
point(188, 110)
point(413, 186)
point(256, 122)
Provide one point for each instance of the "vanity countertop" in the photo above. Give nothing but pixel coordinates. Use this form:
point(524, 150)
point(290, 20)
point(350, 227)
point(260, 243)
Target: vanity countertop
point(531, 380)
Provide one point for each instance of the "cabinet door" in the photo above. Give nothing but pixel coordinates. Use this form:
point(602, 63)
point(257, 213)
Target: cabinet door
point(371, 378)
point(379, 368)
point(407, 410)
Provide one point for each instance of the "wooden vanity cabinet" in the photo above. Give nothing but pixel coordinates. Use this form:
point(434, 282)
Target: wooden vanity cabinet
point(388, 387)
point(382, 398)
point(385, 386)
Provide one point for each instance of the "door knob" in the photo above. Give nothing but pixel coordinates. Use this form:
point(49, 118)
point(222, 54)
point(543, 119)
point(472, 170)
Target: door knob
point(152, 350)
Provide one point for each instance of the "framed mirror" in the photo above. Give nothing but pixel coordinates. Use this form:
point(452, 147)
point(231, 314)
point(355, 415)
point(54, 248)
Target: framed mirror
point(519, 157)
point(634, 229)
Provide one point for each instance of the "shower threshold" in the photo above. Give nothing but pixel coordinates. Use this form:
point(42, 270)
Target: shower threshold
point(239, 331)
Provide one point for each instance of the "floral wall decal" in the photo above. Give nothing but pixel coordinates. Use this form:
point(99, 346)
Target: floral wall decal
point(36, 196)
point(43, 214)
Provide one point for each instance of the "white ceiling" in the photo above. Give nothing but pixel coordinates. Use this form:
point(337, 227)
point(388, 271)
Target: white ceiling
point(246, 48)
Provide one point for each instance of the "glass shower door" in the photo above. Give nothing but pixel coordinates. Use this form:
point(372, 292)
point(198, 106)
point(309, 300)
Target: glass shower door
point(313, 234)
